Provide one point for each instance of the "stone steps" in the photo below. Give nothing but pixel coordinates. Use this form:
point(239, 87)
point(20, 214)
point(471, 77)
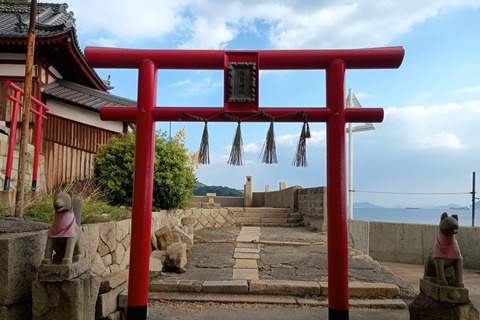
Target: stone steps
point(268, 217)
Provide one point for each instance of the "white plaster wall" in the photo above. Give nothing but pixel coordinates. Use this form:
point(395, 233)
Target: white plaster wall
point(15, 70)
point(13, 56)
point(83, 116)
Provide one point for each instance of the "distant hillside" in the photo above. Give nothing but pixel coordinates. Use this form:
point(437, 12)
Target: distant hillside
point(366, 205)
point(202, 189)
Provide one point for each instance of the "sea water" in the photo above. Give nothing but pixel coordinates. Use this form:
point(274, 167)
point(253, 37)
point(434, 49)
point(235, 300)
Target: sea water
point(429, 216)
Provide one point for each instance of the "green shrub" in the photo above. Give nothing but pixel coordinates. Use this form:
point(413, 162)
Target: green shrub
point(174, 179)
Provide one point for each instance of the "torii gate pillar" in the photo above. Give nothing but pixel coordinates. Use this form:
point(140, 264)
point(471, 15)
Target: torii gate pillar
point(335, 62)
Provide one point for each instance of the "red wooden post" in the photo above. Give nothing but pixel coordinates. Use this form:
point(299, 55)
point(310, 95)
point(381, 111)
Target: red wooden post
point(13, 130)
point(335, 115)
point(142, 192)
point(40, 115)
point(337, 194)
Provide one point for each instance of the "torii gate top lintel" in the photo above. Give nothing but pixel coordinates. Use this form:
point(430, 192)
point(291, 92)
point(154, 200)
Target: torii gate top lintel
point(239, 66)
point(369, 58)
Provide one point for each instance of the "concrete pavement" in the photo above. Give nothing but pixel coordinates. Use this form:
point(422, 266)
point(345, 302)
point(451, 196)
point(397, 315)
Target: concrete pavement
point(285, 263)
point(412, 273)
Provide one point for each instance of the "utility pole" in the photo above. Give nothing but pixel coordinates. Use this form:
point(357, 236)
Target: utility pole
point(473, 200)
point(22, 169)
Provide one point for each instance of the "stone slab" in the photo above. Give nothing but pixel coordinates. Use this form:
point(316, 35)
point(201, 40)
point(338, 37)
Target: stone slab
point(292, 243)
point(246, 274)
point(246, 245)
point(366, 289)
point(53, 272)
point(245, 264)
point(250, 229)
point(247, 238)
point(272, 242)
point(175, 286)
point(108, 302)
point(228, 286)
point(247, 250)
point(283, 287)
point(313, 302)
point(444, 293)
point(113, 280)
point(222, 298)
point(252, 256)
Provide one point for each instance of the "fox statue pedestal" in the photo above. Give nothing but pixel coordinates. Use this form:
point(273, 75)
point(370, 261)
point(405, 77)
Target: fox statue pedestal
point(65, 289)
point(442, 292)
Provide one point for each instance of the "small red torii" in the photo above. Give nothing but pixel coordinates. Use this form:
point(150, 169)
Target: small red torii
point(335, 62)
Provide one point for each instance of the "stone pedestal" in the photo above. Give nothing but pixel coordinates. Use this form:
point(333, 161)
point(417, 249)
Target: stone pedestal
point(426, 308)
point(248, 192)
point(54, 272)
point(73, 299)
point(211, 198)
point(444, 293)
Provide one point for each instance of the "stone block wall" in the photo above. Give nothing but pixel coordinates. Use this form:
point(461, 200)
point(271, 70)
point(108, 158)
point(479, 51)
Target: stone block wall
point(312, 204)
point(208, 218)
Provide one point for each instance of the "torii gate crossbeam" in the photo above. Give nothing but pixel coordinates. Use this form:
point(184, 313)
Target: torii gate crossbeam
point(335, 62)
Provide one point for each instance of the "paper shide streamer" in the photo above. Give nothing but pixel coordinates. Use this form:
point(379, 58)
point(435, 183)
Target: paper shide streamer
point(269, 150)
point(236, 154)
point(300, 159)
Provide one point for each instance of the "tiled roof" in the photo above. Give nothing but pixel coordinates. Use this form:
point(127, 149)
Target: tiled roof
point(52, 19)
point(82, 96)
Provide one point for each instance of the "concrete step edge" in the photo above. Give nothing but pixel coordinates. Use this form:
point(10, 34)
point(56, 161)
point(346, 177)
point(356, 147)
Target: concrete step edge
point(272, 287)
point(266, 299)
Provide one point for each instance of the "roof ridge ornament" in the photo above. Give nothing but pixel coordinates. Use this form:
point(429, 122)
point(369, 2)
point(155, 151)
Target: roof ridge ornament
point(20, 26)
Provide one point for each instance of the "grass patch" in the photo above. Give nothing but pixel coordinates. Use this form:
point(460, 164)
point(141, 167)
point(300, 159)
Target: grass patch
point(94, 210)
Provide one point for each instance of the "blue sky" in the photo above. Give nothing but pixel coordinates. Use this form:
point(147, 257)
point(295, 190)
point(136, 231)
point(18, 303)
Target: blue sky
point(429, 140)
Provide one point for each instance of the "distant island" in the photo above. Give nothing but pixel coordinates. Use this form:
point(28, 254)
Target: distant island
point(365, 205)
point(202, 189)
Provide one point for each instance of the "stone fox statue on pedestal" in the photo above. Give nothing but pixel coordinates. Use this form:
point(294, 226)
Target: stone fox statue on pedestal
point(444, 265)
point(65, 236)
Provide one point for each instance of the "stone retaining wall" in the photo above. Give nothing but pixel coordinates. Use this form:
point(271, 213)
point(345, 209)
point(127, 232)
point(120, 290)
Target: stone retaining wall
point(312, 204)
point(409, 242)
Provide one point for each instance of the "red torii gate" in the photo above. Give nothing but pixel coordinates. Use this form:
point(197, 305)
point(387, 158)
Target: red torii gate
point(335, 115)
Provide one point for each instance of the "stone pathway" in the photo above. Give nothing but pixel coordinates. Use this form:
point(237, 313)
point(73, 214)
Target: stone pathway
point(246, 254)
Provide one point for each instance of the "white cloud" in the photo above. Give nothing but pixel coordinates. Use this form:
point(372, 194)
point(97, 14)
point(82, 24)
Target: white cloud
point(103, 42)
point(440, 140)
point(127, 19)
point(189, 87)
point(447, 126)
point(473, 90)
point(253, 147)
point(362, 95)
point(212, 24)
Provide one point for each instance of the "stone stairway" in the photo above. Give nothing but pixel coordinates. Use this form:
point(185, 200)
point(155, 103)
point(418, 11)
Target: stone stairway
point(268, 217)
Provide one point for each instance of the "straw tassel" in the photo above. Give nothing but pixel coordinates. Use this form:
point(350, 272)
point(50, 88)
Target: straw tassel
point(300, 159)
point(203, 153)
point(269, 148)
point(236, 155)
